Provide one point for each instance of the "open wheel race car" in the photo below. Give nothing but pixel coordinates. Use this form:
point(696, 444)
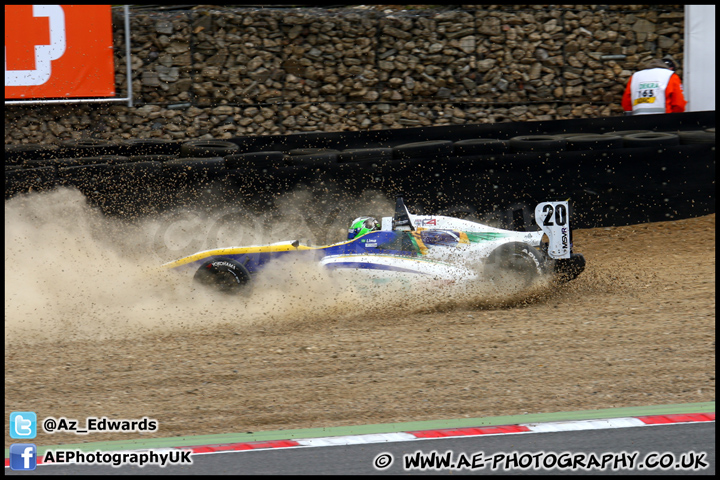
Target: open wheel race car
point(405, 246)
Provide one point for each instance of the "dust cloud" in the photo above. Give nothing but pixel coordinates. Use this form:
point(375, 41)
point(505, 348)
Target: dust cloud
point(73, 273)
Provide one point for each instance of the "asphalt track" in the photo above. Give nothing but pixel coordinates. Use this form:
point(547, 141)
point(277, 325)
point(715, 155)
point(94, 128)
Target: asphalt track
point(354, 450)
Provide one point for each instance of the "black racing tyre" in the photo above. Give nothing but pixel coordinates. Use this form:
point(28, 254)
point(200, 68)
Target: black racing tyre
point(513, 267)
point(365, 155)
point(480, 146)
point(208, 148)
point(20, 153)
point(84, 176)
point(594, 142)
point(224, 275)
point(422, 150)
point(189, 164)
point(152, 158)
point(537, 143)
point(254, 160)
point(100, 159)
point(570, 135)
point(622, 133)
point(26, 179)
point(311, 151)
point(151, 146)
point(136, 170)
point(690, 137)
point(321, 159)
point(89, 147)
point(651, 139)
point(44, 162)
point(188, 171)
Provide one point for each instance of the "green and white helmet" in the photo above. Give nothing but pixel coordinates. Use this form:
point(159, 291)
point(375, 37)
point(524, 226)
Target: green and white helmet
point(361, 226)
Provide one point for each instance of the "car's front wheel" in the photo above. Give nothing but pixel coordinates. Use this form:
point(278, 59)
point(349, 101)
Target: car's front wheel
point(224, 275)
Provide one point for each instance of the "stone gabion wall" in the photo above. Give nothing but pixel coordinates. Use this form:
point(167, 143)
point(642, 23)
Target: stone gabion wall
point(215, 72)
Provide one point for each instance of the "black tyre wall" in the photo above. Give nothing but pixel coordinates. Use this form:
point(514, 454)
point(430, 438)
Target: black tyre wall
point(594, 142)
point(208, 148)
point(255, 160)
point(89, 148)
point(651, 139)
point(438, 149)
point(538, 143)
point(150, 146)
point(15, 154)
point(30, 180)
point(480, 146)
point(378, 155)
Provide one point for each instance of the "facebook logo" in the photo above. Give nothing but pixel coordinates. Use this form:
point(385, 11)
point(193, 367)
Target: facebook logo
point(23, 456)
point(23, 425)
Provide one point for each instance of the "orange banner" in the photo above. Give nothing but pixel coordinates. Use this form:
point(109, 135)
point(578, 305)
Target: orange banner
point(58, 51)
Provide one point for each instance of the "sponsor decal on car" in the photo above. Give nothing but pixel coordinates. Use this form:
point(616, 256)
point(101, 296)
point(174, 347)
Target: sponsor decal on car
point(423, 222)
point(222, 264)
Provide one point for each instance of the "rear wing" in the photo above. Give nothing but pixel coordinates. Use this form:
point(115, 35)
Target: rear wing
point(553, 218)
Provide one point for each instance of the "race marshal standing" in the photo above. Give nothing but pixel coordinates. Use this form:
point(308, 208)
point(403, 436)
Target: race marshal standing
point(655, 89)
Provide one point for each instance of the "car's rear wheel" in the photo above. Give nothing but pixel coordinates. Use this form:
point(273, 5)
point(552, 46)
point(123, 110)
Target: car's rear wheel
point(224, 275)
point(513, 267)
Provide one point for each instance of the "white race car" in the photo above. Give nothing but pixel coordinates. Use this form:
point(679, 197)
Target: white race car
point(410, 246)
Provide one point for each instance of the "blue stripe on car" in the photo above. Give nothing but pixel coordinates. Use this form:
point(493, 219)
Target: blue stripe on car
point(370, 266)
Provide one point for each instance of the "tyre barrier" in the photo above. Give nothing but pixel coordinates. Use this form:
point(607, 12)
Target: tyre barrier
point(107, 159)
point(461, 170)
point(132, 188)
point(191, 164)
point(255, 160)
point(136, 170)
point(537, 143)
point(75, 161)
point(183, 171)
point(651, 139)
point(690, 137)
point(151, 146)
point(29, 180)
point(594, 142)
point(439, 149)
point(152, 158)
point(15, 154)
point(42, 162)
point(623, 133)
point(207, 148)
point(89, 148)
point(312, 160)
point(85, 177)
point(576, 134)
point(480, 146)
point(365, 156)
point(310, 151)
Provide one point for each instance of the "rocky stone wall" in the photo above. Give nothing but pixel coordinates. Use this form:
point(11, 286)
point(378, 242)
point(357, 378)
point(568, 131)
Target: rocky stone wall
point(214, 72)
